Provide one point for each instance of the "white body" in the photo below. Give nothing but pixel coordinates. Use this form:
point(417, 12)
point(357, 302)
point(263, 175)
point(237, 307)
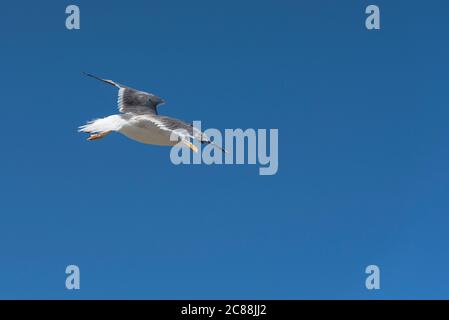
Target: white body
point(136, 127)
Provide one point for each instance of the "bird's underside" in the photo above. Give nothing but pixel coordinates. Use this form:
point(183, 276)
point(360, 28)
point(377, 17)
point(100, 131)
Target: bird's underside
point(139, 120)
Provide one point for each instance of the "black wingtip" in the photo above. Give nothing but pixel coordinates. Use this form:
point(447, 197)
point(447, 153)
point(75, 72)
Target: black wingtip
point(92, 76)
point(219, 147)
point(102, 80)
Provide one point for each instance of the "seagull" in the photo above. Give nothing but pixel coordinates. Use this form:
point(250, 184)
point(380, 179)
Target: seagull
point(139, 120)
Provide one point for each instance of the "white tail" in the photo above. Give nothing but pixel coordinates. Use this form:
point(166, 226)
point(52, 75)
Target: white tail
point(111, 123)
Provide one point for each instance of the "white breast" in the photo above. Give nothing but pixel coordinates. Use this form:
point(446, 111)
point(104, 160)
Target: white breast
point(147, 133)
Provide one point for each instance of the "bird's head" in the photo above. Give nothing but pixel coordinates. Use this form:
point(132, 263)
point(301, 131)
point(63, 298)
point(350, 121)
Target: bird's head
point(155, 100)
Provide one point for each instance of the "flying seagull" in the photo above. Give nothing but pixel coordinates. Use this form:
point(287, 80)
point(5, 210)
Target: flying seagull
point(139, 120)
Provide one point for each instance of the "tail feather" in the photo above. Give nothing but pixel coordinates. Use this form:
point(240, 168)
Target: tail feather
point(111, 123)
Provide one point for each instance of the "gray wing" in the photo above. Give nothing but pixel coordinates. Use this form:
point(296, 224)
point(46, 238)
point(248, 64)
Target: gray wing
point(182, 129)
point(133, 101)
point(185, 129)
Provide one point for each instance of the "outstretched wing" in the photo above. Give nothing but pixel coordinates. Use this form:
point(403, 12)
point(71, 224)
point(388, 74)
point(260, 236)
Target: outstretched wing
point(181, 129)
point(178, 127)
point(133, 101)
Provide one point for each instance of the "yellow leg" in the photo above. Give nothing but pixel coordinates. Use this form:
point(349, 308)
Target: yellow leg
point(190, 145)
point(97, 136)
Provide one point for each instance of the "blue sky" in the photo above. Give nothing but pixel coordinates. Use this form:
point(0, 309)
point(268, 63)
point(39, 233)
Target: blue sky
point(363, 151)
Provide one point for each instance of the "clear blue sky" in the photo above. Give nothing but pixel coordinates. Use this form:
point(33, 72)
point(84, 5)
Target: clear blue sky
point(363, 153)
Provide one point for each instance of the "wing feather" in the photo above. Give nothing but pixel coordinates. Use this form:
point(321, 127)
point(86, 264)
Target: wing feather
point(179, 127)
point(133, 101)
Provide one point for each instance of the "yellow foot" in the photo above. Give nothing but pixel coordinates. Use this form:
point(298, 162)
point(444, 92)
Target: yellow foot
point(190, 145)
point(97, 136)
